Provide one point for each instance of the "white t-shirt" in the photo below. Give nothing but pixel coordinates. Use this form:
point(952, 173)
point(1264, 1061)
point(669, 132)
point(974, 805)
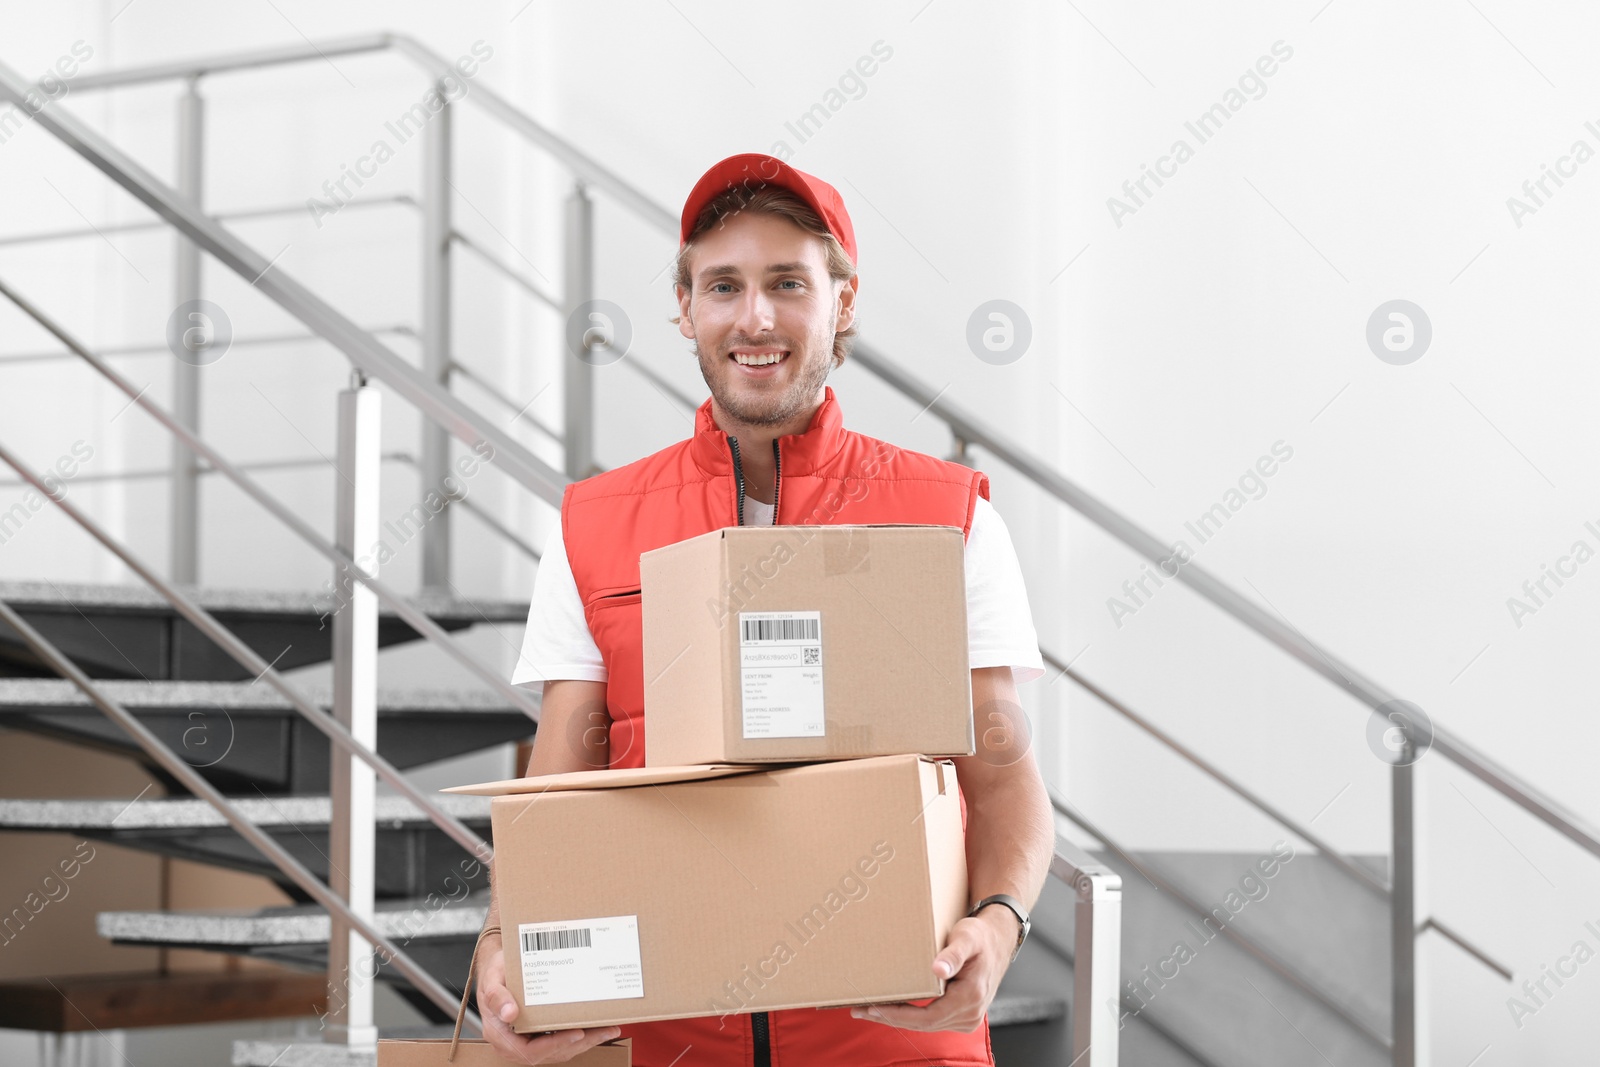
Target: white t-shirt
point(1000, 633)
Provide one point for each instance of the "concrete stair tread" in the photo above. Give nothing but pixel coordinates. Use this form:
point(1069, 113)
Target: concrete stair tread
point(293, 924)
point(1014, 1009)
point(38, 694)
point(141, 599)
point(187, 813)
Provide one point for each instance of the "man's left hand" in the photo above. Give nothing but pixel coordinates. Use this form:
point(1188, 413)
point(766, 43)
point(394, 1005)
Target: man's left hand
point(972, 963)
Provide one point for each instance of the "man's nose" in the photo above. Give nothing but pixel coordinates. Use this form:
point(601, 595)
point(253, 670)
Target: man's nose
point(755, 313)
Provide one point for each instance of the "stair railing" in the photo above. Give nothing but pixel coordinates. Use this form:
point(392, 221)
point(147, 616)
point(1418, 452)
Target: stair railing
point(1406, 909)
point(1096, 886)
point(196, 783)
point(354, 652)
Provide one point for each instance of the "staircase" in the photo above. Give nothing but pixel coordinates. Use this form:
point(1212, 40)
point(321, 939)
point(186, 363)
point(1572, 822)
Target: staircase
point(185, 678)
point(431, 892)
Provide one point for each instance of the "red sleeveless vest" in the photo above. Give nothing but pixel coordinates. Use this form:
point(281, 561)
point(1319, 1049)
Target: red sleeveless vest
point(826, 475)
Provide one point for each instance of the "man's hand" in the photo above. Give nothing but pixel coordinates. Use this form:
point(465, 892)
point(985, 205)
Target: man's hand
point(498, 1009)
point(972, 963)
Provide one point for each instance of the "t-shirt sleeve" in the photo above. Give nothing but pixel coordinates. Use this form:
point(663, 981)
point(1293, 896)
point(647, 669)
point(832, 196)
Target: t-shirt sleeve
point(1000, 629)
point(557, 643)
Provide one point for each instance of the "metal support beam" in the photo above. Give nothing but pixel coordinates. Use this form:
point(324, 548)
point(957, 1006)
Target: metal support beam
point(1097, 954)
point(436, 241)
point(577, 372)
point(184, 566)
point(1407, 910)
point(352, 833)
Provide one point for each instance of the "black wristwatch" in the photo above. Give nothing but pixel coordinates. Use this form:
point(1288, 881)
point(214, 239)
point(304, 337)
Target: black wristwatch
point(1016, 909)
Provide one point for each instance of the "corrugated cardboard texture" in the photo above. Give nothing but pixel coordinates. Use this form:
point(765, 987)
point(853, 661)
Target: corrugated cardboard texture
point(436, 1053)
point(893, 605)
point(814, 886)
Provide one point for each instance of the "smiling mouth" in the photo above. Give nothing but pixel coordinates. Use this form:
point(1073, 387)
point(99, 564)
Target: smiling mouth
point(764, 359)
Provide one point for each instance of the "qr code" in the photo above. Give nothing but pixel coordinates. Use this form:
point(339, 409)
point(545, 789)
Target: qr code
point(813, 654)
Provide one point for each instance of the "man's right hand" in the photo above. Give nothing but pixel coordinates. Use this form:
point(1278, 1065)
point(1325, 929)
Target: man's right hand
point(498, 1009)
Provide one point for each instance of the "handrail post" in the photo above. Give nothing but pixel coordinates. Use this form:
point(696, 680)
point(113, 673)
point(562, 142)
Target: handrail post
point(577, 373)
point(185, 501)
point(1407, 909)
point(1096, 954)
point(434, 448)
point(352, 967)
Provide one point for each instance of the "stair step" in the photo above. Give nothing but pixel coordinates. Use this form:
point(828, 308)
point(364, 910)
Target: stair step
point(146, 998)
point(412, 856)
point(129, 631)
point(290, 925)
point(245, 737)
point(1019, 1010)
point(186, 813)
point(30, 694)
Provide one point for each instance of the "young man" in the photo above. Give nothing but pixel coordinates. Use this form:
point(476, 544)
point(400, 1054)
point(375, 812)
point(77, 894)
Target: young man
point(766, 286)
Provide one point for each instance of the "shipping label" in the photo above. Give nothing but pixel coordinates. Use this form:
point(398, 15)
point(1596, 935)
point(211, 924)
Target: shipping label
point(576, 960)
point(780, 673)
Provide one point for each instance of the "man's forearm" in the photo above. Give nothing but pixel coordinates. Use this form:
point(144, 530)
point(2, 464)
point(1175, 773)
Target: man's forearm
point(1010, 833)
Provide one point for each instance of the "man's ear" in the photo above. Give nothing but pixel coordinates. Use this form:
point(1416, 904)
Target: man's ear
point(685, 323)
point(847, 304)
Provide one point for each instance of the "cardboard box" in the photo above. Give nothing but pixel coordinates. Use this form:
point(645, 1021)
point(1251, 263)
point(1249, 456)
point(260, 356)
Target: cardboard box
point(434, 1052)
point(789, 643)
point(662, 893)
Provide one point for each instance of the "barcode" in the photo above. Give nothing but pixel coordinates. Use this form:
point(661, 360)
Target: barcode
point(545, 940)
point(780, 630)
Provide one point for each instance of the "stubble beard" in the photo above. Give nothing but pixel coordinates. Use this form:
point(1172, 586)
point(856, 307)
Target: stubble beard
point(797, 398)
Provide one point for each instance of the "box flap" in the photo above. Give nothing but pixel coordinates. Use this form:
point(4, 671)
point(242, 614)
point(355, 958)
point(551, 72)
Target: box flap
point(606, 779)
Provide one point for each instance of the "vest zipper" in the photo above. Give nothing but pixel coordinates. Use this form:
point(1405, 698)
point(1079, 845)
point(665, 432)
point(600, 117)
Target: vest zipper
point(762, 1038)
point(738, 476)
point(777, 478)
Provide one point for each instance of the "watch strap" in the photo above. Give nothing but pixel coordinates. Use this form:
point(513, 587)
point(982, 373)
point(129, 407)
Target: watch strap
point(1016, 908)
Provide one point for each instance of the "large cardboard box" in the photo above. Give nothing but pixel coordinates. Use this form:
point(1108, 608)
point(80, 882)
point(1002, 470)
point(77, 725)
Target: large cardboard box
point(788, 643)
point(661, 893)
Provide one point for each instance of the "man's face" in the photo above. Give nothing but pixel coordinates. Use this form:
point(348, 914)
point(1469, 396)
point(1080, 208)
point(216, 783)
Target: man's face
point(761, 289)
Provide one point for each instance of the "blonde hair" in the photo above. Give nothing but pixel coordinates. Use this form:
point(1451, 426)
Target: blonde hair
point(770, 200)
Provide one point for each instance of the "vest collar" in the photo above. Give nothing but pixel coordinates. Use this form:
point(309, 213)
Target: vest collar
point(803, 453)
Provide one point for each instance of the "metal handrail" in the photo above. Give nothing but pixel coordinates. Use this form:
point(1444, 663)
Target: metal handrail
point(251, 660)
point(348, 568)
point(1267, 958)
point(166, 472)
point(1356, 871)
point(457, 367)
point(163, 348)
point(197, 784)
point(962, 424)
point(374, 359)
point(221, 216)
point(506, 269)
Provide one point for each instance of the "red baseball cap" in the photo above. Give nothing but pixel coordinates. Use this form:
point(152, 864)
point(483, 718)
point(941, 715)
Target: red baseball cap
point(756, 169)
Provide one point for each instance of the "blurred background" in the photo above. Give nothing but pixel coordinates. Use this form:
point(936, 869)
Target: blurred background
point(1302, 289)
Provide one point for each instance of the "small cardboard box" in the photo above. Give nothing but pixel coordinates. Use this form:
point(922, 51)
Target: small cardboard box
point(435, 1052)
point(664, 893)
point(790, 643)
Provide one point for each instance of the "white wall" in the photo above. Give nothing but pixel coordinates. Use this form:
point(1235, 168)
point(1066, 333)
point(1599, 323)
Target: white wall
point(1170, 352)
